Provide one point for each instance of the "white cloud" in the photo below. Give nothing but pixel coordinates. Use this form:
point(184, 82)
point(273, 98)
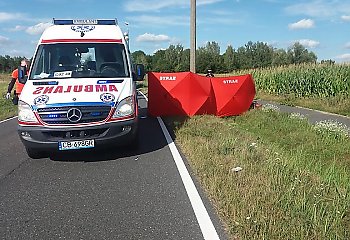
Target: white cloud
point(347, 45)
point(319, 8)
point(17, 28)
point(156, 5)
point(308, 43)
point(155, 21)
point(345, 17)
point(162, 21)
point(219, 20)
point(3, 40)
point(149, 37)
point(37, 29)
point(273, 43)
point(207, 2)
point(302, 24)
point(4, 16)
point(158, 49)
point(344, 57)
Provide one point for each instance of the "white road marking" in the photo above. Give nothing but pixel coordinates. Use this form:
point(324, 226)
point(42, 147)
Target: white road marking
point(8, 119)
point(203, 218)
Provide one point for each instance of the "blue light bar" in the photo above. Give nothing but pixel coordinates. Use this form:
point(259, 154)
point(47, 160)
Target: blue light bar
point(85, 22)
point(110, 81)
point(96, 114)
point(53, 116)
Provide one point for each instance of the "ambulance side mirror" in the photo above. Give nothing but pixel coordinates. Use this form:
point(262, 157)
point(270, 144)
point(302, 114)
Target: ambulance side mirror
point(22, 77)
point(139, 72)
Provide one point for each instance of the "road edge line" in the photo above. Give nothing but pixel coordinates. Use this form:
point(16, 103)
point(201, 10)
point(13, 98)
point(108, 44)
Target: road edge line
point(204, 221)
point(8, 119)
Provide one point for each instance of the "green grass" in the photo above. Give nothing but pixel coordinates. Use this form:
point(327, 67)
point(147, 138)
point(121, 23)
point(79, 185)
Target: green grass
point(295, 179)
point(7, 109)
point(321, 86)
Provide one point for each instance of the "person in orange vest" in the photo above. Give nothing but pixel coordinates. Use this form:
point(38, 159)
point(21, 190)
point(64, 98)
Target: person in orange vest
point(14, 81)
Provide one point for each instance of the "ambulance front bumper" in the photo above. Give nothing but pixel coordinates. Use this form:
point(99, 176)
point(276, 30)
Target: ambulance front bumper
point(106, 135)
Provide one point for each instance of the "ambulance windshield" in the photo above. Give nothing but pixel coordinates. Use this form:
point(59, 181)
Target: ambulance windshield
point(80, 60)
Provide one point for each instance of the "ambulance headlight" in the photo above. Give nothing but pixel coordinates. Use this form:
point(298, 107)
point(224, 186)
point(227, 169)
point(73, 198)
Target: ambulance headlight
point(25, 113)
point(126, 107)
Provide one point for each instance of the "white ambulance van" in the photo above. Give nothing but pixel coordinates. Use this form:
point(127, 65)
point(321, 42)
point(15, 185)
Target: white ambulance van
point(81, 89)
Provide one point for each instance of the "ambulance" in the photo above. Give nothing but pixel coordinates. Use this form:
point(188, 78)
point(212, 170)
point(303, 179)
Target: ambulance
point(80, 92)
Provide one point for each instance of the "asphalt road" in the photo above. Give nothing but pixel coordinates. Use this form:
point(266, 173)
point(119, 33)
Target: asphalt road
point(106, 194)
point(313, 116)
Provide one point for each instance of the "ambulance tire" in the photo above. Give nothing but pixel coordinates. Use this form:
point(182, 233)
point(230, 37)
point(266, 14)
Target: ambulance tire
point(34, 154)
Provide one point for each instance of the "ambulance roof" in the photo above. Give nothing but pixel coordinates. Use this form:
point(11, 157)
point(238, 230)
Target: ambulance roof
point(63, 31)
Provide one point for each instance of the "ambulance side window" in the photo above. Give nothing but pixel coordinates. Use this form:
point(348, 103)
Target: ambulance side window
point(42, 64)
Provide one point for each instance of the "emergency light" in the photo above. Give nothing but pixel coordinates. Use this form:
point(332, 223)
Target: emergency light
point(85, 21)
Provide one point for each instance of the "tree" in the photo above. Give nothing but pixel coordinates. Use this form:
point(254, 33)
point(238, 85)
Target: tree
point(299, 54)
point(8, 64)
point(252, 55)
point(184, 65)
point(208, 57)
point(139, 57)
point(262, 55)
point(158, 61)
point(242, 60)
point(229, 59)
point(280, 58)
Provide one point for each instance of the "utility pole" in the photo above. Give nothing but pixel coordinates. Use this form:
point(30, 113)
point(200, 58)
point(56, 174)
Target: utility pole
point(193, 37)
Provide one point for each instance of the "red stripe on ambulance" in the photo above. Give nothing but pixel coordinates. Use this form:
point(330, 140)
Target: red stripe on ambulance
point(81, 40)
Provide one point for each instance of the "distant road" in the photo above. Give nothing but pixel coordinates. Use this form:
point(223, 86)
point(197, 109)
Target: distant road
point(312, 115)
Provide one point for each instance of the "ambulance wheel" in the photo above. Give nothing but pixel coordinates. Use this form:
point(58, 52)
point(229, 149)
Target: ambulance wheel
point(34, 154)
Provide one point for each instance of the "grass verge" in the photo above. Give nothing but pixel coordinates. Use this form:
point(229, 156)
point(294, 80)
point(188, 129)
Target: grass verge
point(7, 109)
point(280, 179)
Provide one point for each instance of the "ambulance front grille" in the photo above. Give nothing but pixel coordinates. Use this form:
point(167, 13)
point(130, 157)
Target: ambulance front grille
point(87, 114)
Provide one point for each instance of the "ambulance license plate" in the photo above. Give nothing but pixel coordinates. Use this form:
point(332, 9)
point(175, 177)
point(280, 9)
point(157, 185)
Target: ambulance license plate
point(71, 145)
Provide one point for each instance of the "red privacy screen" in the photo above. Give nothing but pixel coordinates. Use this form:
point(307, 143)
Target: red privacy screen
point(189, 94)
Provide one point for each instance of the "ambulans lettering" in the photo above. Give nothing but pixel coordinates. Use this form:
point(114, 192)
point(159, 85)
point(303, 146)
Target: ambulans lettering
point(112, 88)
point(38, 90)
point(75, 88)
point(59, 89)
point(230, 81)
point(167, 78)
point(101, 88)
point(85, 21)
point(68, 89)
point(48, 90)
point(78, 88)
point(88, 88)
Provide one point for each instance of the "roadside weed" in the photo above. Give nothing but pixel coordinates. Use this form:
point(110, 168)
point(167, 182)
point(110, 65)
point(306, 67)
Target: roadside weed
point(271, 175)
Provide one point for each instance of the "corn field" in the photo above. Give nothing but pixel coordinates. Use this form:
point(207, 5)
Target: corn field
point(308, 80)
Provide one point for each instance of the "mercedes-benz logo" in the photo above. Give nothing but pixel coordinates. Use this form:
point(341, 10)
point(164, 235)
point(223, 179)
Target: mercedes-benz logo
point(74, 115)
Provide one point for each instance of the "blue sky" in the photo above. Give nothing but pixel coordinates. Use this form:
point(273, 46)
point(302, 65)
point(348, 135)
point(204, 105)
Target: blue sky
point(321, 26)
